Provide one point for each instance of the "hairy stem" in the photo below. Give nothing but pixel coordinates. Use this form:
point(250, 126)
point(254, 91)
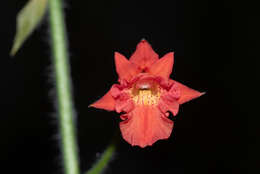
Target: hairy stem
point(63, 87)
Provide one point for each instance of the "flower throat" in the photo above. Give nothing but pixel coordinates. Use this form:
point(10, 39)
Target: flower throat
point(145, 93)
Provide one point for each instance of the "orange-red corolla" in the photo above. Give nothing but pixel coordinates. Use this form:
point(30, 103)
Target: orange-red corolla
point(145, 94)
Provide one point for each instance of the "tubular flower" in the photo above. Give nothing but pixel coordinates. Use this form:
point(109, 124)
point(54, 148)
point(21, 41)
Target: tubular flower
point(145, 95)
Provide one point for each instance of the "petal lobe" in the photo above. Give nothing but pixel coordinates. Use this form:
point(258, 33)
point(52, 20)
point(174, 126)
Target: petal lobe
point(187, 94)
point(107, 102)
point(124, 68)
point(144, 55)
point(145, 125)
point(163, 67)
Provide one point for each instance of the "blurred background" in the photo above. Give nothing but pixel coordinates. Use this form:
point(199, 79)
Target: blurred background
point(216, 45)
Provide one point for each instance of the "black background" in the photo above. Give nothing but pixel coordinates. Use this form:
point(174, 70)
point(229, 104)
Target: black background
point(216, 47)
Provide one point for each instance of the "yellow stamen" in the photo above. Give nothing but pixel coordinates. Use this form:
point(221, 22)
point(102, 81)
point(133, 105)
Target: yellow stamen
point(146, 97)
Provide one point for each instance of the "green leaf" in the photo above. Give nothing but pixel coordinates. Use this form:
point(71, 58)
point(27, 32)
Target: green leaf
point(27, 20)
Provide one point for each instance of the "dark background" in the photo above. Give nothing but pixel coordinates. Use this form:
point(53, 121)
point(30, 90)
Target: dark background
point(216, 47)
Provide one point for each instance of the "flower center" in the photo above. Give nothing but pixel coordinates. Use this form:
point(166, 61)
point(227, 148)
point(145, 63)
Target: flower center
point(145, 93)
point(146, 97)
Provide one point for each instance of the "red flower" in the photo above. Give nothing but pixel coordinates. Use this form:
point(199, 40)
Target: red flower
point(145, 94)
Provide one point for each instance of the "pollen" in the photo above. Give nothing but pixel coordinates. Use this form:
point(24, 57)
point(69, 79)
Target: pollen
point(146, 97)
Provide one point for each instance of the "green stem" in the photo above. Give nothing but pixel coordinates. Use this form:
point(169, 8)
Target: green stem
point(105, 158)
point(63, 87)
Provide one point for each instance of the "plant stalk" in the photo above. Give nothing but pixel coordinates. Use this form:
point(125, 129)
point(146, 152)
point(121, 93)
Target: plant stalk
point(102, 163)
point(63, 87)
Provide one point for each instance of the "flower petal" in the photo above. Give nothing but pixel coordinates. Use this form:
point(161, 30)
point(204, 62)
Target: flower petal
point(145, 125)
point(107, 102)
point(167, 104)
point(168, 100)
point(123, 101)
point(144, 55)
point(163, 67)
point(124, 68)
point(186, 93)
